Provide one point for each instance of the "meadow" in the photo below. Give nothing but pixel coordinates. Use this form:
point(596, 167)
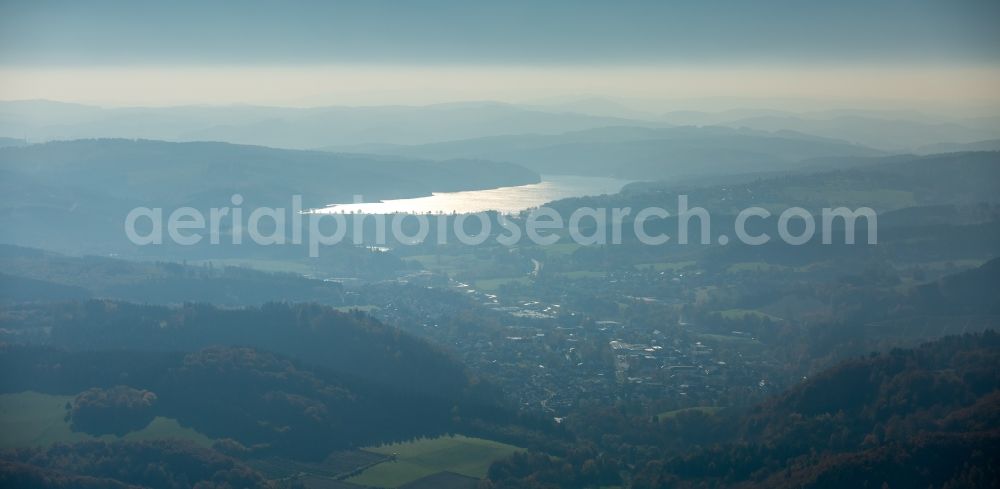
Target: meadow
point(35, 419)
point(416, 459)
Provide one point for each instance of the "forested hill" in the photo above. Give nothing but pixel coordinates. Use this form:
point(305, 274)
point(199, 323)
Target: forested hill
point(97, 465)
point(269, 403)
point(36, 275)
point(975, 291)
point(351, 344)
point(158, 173)
point(938, 404)
point(884, 184)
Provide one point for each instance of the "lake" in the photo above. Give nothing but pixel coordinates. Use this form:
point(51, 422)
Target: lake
point(505, 199)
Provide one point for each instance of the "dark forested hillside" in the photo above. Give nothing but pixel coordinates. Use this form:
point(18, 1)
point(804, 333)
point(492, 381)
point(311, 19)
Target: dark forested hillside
point(350, 343)
point(261, 400)
point(970, 292)
point(36, 275)
point(885, 184)
point(125, 465)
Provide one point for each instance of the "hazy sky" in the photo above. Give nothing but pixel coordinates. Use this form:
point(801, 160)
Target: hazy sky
point(301, 53)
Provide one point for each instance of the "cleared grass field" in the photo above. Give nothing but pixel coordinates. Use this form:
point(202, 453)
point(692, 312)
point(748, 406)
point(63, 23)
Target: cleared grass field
point(435, 263)
point(704, 409)
point(743, 341)
point(35, 419)
point(317, 474)
point(459, 454)
point(444, 480)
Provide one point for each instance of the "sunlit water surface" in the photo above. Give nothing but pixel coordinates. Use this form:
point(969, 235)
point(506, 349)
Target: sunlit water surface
point(505, 199)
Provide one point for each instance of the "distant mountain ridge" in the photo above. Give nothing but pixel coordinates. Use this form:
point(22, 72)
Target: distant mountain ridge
point(639, 152)
point(887, 130)
point(5, 142)
point(894, 135)
point(294, 128)
point(324, 126)
point(987, 145)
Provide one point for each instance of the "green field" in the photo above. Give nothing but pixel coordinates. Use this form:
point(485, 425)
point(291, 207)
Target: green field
point(704, 409)
point(436, 263)
point(743, 341)
point(34, 419)
point(459, 454)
